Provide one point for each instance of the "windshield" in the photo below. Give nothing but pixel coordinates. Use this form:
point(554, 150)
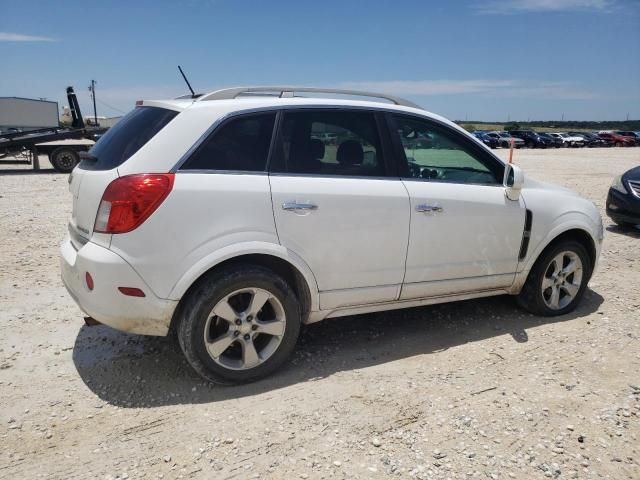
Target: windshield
point(127, 137)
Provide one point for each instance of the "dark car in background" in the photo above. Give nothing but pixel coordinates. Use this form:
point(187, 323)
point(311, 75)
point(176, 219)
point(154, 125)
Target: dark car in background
point(623, 200)
point(553, 141)
point(486, 139)
point(592, 140)
point(504, 139)
point(531, 139)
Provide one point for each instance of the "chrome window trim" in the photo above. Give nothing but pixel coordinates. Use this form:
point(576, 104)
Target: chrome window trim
point(435, 180)
point(316, 175)
point(225, 172)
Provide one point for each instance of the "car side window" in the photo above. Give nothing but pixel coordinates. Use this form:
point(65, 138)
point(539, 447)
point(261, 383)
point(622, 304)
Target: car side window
point(240, 144)
point(434, 152)
point(329, 142)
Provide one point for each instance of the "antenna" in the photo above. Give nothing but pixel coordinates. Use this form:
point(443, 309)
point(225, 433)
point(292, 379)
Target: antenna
point(193, 94)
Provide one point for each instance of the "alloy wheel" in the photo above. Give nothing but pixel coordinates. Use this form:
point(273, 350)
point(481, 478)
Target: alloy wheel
point(562, 280)
point(245, 328)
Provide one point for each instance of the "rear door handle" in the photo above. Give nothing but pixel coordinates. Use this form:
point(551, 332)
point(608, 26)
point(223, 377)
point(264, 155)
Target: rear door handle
point(428, 208)
point(294, 206)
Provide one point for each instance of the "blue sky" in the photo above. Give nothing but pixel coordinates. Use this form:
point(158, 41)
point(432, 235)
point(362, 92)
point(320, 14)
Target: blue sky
point(475, 59)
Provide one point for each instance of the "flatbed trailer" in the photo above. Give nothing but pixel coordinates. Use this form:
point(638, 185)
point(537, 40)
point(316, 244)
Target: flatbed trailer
point(61, 145)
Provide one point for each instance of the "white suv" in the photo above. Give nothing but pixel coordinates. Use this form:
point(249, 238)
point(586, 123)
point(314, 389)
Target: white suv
point(236, 216)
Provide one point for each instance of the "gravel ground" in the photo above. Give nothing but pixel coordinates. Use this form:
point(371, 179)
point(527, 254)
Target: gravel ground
point(475, 389)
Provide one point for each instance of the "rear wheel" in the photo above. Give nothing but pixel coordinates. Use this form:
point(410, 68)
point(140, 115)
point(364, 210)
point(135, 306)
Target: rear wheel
point(557, 280)
point(64, 159)
point(239, 325)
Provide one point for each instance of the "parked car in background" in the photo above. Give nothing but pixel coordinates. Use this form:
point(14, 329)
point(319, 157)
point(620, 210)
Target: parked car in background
point(591, 140)
point(632, 135)
point(617, 140)
point(504, 139)
point(227, 221)
point(623, 200)
point(490, 142)
point(568, 140)
point(553, 141)
point(531, 139)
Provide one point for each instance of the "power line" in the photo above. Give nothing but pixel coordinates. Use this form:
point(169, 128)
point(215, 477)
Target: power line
point(109, 106)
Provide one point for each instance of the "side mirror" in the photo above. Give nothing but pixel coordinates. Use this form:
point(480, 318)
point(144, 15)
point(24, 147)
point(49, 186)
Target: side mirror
point(513, 181)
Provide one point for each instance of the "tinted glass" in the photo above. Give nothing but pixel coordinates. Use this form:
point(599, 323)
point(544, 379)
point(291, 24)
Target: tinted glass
point(329, 143)
point(433, 152)
point(127, 137)
point(240, 144)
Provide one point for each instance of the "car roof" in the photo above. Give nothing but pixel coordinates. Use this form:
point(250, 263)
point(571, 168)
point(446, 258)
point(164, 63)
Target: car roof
point(255, 102)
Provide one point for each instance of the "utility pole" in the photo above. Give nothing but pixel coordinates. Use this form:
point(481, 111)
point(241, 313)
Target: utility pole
point(92, 89)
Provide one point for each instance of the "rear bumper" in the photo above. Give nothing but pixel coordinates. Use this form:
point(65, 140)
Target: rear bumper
point(148, 315)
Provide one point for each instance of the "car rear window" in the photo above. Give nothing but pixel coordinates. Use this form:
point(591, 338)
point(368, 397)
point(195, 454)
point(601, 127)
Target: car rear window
point(127, 137)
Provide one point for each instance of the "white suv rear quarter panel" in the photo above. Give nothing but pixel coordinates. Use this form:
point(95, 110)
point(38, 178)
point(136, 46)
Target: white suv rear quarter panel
point(203, 214)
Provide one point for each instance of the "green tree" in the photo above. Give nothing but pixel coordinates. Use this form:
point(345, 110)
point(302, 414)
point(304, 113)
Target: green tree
point(512, 126)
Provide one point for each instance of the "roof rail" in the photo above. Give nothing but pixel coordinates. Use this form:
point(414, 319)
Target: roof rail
point(288, 92)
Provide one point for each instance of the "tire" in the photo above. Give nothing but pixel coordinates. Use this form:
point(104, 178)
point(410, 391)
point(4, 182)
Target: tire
point(537, 300)
point(64, 159)
point(200, 328)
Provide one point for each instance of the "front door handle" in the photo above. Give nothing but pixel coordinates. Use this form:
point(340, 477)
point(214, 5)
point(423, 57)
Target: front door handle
point(294, 206)
point(428, 208)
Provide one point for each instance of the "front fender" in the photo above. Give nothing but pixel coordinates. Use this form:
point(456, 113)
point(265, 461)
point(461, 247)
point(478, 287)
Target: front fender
point(246, 248)
point(547, 231)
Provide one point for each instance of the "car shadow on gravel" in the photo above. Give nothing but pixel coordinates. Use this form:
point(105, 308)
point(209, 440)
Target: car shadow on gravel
point(630, 231)
point(133, 371)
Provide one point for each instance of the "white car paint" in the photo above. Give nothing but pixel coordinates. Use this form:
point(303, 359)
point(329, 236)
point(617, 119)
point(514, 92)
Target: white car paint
point(568, 139)
point(364, 249)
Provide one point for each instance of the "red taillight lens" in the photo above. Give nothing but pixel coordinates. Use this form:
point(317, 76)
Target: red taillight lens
point(131, 291)
point(129, 201)
point(89, 280)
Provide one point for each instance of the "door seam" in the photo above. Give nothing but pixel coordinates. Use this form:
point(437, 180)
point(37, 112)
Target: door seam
point(406, 253)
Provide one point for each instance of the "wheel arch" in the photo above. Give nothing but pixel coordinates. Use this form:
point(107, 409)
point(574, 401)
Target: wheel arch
point(576, 233)
point(296, 273)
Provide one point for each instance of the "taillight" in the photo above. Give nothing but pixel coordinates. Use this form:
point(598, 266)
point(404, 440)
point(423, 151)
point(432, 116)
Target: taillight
point(129, 201)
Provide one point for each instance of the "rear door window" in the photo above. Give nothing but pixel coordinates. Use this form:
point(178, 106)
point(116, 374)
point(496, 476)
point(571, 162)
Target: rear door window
point(127, 137)
point(320, 142)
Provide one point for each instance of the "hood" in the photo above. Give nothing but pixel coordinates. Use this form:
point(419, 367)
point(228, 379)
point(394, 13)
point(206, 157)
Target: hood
point(633, 174)
point(530, 183)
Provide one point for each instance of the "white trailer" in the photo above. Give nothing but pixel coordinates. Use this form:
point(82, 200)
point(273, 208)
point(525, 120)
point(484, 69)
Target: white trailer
point(27, 114)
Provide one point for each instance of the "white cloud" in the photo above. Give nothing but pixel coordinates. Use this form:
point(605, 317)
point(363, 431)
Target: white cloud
point(19, 37)
point(506, 7)
point(493, 88)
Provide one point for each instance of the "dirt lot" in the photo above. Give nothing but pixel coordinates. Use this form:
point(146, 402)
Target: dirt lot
point(473, 389)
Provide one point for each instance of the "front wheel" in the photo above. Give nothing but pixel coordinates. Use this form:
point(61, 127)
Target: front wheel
point(239, 325)
point(557, 281)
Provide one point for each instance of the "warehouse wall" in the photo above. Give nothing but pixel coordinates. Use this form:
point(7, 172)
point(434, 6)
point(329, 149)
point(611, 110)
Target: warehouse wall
point(26, 113)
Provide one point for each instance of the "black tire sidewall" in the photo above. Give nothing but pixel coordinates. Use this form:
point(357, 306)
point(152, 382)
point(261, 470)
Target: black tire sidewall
point(207, 294)
point(58, 151)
